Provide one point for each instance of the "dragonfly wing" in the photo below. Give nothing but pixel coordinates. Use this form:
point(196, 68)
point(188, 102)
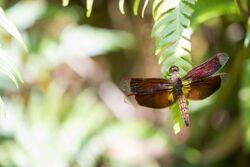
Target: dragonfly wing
point(156, 100)
point(201, 89)
point(208, 68)
point(152, 92)
point(149, 85)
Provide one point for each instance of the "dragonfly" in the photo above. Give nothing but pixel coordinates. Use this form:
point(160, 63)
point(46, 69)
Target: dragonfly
point(199, 83)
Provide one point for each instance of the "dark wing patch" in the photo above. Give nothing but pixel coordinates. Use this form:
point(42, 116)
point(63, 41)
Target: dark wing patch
point(208, 68)
point(203, 88)
point(149, 85)
point(152, 92)
point(156, 100)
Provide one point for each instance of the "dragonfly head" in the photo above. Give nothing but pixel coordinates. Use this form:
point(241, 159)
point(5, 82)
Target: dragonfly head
point(173, 69)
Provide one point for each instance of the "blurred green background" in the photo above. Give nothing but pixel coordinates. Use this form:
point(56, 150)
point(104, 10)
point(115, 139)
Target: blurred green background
point(71, 112)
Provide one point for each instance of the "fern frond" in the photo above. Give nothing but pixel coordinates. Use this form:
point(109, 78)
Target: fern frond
point(172, 35)
point(121, 6)
point(144, 8)
point(135, 7)
point(89, 6)
point(176, 117)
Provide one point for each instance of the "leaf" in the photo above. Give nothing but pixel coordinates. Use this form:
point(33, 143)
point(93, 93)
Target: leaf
point(10, 27)
point(8, 69)
point(136, 7)
point(10, 75)
point(176, 117)
point(24, 14)
point(89, 7)
point(65, 2)
point(144, 8)
point(247, 38)
point(121, 6)
point(172, 37)
point(90, 41)
point(172, 34)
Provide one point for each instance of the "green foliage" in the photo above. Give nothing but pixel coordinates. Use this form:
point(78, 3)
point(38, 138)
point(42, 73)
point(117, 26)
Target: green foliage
point(6, 66)
point(56, 126)
point(65, 129)
point(65, 2)
point(10, 27)
point(172, 34)
point(121, 6)
point(8, 69)
point(205, 11)
point(144, 7)
point(247, 38)
point(136, 7)
point(70, 113)
point(55, 132)
point(89, 7)
point(176, 117)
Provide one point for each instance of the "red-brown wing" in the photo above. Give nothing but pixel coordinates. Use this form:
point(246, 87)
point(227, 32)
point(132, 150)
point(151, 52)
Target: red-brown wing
point(203, 88)
point(148, 85)
point(156, 100)
point(152, 92)
point(208, 68)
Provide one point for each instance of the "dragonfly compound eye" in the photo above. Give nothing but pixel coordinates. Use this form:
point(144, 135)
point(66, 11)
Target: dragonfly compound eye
point(173, 68)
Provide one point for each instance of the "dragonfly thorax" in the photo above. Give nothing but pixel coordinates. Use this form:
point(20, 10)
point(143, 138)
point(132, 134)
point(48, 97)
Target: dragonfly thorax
point(174, 71)
point(176, 79)
point(178, 86)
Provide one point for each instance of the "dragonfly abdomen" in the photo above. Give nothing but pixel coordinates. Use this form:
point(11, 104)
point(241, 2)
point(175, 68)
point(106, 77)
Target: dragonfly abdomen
point(184, 109)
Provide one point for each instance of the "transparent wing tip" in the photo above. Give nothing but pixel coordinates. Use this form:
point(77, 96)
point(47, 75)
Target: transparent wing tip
point(223, 58)
point(124, 85)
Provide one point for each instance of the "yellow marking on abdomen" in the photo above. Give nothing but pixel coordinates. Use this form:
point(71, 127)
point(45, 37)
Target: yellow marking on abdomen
point(186, 90)
point(170, 97)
